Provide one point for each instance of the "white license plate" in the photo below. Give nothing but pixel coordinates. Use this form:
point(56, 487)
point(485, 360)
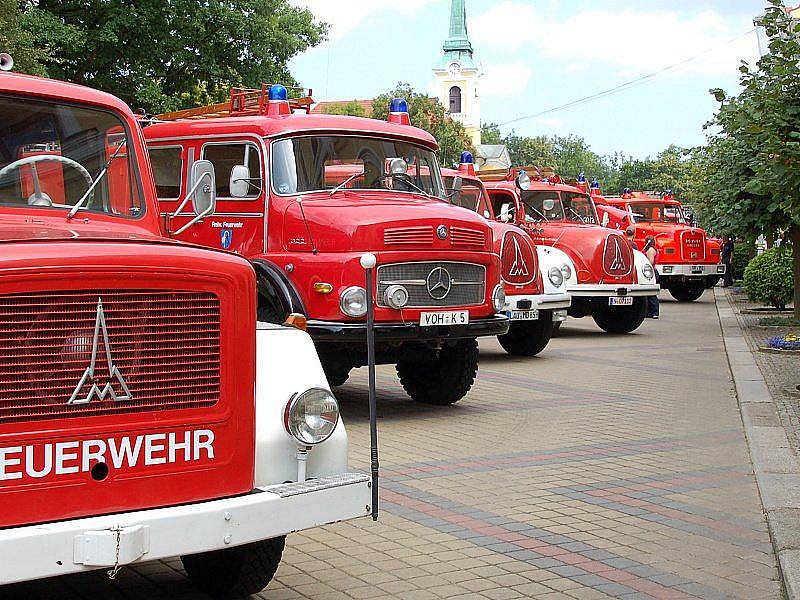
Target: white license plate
point(620, 301)
point(524, 315)
point(697, 269)
point(429, 319)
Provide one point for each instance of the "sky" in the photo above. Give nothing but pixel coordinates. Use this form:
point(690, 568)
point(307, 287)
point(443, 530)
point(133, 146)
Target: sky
point(541, 54)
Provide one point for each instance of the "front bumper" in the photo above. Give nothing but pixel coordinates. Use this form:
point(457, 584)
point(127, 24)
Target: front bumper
point(54, 549)
point(331, 331)
point(683, 270)
point(538, 301)
point(600, 290)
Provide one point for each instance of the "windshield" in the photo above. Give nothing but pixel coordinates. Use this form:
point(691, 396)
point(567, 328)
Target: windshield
point(314, 163)
point(552, 205)
point(656, 212)
point(51, 153)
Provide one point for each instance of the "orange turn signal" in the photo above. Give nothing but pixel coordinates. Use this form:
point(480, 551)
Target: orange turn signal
point(323, 288)
point(297, 321)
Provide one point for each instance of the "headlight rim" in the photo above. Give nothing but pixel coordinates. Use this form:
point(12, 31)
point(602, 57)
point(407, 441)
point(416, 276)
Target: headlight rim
point(343, 295)
point(648, 272)
point(566, 271)
point(558, 280)
point(388, 296)
point(498, 298)
point(293, 402)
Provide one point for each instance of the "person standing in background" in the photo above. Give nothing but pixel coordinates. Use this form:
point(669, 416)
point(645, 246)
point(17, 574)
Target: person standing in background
point(727, 259)
point(651, 252)
point(630, 232)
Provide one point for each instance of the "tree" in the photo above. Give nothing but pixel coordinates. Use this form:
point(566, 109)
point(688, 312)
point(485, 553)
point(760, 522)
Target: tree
point(427, 113)
point(490, 134)
point(170, 54)
point(17, 41)
point(351, 108)
point(753, 162)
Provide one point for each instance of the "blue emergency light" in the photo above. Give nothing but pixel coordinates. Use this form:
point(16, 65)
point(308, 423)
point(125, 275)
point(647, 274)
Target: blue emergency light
point(466, 158)
point(278, 93)
point(581, 178)
point(398, 105)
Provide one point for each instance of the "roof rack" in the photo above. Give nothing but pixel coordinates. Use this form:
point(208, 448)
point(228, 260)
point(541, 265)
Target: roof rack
point(243, 102)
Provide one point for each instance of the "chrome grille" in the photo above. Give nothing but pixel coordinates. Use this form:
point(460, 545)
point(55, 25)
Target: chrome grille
point(164, 345)
point(468, 283)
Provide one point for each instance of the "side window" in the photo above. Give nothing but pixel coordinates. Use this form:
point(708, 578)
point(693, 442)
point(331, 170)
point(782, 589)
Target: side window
point(167, 168)
point(235, 163)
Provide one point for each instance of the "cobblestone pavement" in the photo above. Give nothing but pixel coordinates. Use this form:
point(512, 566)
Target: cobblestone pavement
point(781, 372)
point(608, 467)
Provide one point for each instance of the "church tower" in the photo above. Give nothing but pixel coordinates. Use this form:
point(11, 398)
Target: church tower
point(457, 75)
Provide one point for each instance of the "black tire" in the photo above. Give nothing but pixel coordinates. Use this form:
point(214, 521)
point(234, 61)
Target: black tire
point(528, 338)
point(687, 292)
point(440, 377)
point(235, 572)
point(621, 319)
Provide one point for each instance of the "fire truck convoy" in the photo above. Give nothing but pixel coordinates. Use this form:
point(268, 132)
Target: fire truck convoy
point(610, 280)
point(143, 414)
point(536, 296)
point(304, 195)
point(689, 262)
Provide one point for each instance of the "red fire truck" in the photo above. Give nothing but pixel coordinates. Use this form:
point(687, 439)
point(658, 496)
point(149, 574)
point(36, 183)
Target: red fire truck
point(534, 303)
point(304, 195)
point(143, 415)
point(689, 262)
point(611, 280)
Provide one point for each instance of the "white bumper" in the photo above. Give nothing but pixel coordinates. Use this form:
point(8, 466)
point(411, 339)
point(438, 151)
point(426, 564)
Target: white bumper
point(588, 290)
point(683, 270)
point(539, 301)
point(39, 551)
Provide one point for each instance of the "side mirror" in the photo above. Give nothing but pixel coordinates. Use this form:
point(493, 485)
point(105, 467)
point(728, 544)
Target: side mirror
point(204, 189)
point(506, 212)
point(548, 204)
point(606, 219)
point(239, 184)
point(458, 183)
point(398, 166)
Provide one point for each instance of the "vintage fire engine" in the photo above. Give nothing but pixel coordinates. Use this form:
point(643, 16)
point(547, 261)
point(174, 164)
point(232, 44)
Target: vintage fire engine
point(534, 303)
point(143, 414)
point(610, 280)
point(304, 195)
point(688, 261)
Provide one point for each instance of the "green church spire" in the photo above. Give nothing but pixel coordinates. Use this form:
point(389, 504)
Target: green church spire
point(459, 39)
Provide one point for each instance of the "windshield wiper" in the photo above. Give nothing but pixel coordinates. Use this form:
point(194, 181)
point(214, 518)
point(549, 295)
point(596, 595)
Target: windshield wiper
point(574, 212)
point(98, 179)
point(342, 185)
point(407, 181)
point(541, 214)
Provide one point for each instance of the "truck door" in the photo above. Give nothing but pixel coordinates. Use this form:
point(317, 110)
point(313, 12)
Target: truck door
point(238, 222)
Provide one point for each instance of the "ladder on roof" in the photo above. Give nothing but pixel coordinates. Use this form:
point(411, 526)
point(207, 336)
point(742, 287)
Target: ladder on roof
point(243, 102)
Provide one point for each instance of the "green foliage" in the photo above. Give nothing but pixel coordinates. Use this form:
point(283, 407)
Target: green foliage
point(352, 108)
point(17, 41)
point(779, 322)
point(490, 134)
point(170, 54)
point(768, 278)
point(742, 256)
point(427, 113)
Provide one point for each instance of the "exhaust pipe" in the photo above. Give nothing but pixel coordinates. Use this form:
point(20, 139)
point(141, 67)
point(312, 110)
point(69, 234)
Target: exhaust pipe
point(6, 62)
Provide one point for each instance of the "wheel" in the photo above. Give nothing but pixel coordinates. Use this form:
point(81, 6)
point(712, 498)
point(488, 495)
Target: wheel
point(235, 572)
point(686, 292)
point(528, 338)
point(621, 319)
point(441, 376)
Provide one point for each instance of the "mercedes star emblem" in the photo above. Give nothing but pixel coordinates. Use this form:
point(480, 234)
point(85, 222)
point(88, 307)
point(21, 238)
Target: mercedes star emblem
point(439, 283)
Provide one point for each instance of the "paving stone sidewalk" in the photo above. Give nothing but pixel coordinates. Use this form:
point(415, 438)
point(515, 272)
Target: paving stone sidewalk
point(770, 420)
point(610, 466)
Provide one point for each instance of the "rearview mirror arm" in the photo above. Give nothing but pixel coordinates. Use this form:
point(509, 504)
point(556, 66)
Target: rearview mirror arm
point(183, 204)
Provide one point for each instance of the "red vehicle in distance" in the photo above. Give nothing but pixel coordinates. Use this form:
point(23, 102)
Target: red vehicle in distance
point(689, 261)
point(611, 280)
point(143, 415)
point(303, 196)
point(534, 303)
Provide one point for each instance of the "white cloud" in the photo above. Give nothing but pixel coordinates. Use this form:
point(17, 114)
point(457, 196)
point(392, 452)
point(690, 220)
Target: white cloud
point(505, 80)
point(634, 41)
point(345, 15)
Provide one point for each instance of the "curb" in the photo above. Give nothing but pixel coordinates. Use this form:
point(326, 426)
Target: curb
point(776, 467)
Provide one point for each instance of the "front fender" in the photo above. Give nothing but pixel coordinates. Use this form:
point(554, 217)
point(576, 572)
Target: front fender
point(276, 289)
point(640, 260)
point(287, 364)
point(553, 257)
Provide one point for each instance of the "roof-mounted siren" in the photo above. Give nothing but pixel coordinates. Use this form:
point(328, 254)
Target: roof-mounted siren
point(594, 189)
point(627, 194)
point(668, 195)
point(398, 112)
point(467, 164)
point(582, 183)
point(6, 62)
point(278, 102)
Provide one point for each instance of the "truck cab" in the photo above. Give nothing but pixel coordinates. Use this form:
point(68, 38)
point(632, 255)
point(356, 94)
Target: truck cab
point(303, 196)
point(611, 280)
point(143, 412)
point(534, 303)
point(688, 260)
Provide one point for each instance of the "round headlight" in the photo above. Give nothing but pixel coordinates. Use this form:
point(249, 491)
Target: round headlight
point(498, 298)
point(353, 301)
point(566, 270)
point(396, 296)
point(555, 276)
point(311, 417)
point(647, 271)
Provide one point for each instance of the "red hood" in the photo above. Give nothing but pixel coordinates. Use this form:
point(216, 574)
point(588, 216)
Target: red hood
point(17, 226)
point(519, 260)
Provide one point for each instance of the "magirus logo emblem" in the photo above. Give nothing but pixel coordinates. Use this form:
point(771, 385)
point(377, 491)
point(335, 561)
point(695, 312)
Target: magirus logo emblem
point(517, 257)
point(114, 375)
point(617, 256)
